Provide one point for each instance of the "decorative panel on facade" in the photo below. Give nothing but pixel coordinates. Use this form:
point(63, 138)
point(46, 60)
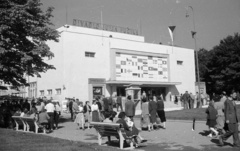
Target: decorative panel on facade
point(131, 67)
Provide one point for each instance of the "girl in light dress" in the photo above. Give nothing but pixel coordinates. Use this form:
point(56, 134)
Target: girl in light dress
point(80, 120)
point(95, 112)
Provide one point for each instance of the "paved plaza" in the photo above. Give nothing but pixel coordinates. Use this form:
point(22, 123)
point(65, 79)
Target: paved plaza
point(177, 136)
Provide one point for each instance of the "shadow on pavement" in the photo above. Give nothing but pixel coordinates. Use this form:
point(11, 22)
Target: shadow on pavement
point(204, 133)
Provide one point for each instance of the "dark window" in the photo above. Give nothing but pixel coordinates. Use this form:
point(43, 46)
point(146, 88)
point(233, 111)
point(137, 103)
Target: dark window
point(90, 54)
point(179, 62)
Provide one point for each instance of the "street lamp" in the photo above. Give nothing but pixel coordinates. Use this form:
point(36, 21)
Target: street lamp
point(196, 52)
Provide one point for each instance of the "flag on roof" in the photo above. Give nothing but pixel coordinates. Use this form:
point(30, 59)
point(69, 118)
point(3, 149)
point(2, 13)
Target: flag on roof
point(171, 30)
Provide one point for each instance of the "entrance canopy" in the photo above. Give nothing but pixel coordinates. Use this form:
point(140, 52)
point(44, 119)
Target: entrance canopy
point(143, 83)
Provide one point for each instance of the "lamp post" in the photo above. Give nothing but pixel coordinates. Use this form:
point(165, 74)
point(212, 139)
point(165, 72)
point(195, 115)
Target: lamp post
point(195, 44)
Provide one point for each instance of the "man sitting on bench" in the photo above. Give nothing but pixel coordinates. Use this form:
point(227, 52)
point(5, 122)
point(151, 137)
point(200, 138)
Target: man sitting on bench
point(43, 118)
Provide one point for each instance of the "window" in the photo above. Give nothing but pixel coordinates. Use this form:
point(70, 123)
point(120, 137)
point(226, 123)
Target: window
point(179, 62)
point(90, 54)
point(58, 91)
point(49, 92)
point(42, 92)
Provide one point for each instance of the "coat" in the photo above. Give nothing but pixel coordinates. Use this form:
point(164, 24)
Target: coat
point(230, 111)
point(130, 108)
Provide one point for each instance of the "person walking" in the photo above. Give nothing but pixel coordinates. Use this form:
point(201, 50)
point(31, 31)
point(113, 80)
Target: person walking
point(211, 119)
point(186, 98)
point(57, 113)
point(50, 111)
point(95, 112)
point(70, 104)
point(161, 112)
point(130, 108)
point(191, 101)
point(145, 114)
point(152, 112)
point(231, 119)
point(80, 117)
point(219, 106)
point(87, 113)
point(75, 109)
point(119, 103)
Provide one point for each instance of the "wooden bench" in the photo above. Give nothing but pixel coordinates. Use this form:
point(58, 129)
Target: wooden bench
point(19, 122)
point(32, 124)
point(111, 129)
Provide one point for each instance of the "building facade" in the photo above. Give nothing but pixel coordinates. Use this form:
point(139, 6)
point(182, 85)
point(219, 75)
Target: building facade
point(91, 62)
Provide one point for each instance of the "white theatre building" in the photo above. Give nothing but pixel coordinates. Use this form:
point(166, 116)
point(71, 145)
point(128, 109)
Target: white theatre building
point(91, 62)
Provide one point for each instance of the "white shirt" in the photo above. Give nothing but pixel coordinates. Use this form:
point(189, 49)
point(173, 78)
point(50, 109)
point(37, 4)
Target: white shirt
point(50, 107)
point(94, 107)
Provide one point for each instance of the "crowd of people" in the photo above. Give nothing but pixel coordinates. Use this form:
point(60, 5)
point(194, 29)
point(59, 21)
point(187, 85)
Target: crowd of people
point(222, 118)
point(102, 110)
point(45, 112)
point(221, 113)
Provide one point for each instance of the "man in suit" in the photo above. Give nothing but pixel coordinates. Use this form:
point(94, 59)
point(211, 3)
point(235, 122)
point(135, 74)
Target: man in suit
point(230, 112)
point(105, 103)
point(130, 108)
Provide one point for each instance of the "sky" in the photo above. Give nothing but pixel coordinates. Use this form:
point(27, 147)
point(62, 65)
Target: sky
point(214, 19)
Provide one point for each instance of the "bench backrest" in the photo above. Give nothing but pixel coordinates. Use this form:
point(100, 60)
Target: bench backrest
point(18, 119)
point(107, 129)
point(29, 120)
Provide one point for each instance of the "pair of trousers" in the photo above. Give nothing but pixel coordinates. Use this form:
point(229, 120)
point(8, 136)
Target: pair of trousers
point(50, 123)
point(56, 118)
point(119, 105)
point(232, 131)
point(186, 106)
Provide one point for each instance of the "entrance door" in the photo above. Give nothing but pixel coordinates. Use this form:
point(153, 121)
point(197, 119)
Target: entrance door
point(151, 91)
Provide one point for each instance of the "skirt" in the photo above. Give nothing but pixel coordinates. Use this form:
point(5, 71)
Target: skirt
point(79, 119)
point(161, 114)
point(211, 123)
point(145, 121)
point(87, 117)
point(153, 117)
point(95, 116)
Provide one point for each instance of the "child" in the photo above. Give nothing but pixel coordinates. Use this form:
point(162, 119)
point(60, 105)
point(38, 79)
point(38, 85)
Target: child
point(80, 117)
point(211, 118)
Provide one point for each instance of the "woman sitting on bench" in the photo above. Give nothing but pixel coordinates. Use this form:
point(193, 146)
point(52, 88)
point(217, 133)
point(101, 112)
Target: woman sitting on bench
point(131, 132)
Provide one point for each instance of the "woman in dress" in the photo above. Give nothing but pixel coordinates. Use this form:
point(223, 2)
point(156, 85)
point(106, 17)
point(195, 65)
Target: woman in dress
point(95, 112)
point(152, 111)
point(87, 113)
point(131, 130)
point(145, 113)
point(161, 112)
point(80, 117)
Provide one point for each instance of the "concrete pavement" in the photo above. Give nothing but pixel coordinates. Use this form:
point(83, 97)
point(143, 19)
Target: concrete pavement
point(177, 136)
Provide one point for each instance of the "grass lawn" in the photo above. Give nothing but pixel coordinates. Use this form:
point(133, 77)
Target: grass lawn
point(11, 140)
point(189, 114)
point(198, 114)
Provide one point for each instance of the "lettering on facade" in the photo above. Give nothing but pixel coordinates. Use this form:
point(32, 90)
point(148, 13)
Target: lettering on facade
point(96, 81)
point(100, 26)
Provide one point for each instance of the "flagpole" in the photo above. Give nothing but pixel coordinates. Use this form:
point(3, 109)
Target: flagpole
point(196, 52)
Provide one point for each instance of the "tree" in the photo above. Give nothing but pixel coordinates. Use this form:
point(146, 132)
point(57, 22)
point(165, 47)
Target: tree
point(203, 59)
point(224, 65)
point(24, 29)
